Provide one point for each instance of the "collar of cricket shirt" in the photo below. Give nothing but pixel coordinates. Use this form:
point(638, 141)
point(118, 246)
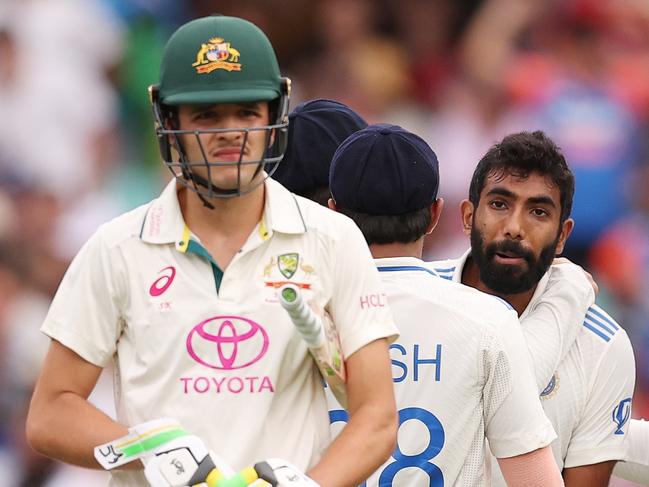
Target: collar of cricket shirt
point(395, 264)
point(164, 224)
point(453, 270)
point(282, 210)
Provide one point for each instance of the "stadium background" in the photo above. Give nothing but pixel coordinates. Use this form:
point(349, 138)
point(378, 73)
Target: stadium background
point(77, 145)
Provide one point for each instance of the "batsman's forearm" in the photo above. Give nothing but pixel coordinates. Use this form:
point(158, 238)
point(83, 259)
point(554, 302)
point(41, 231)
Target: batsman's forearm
point(363, 446)
point(67, 428)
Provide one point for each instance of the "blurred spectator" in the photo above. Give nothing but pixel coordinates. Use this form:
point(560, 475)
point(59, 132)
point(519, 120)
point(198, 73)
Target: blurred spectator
point(356, 63)
point(620, 258)
point(474, 111)
point(58, 98)
point(574, 97)
point(22, 348)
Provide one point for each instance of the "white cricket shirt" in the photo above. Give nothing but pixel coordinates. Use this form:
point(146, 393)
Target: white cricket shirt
point(636, 465)
point(215, 350)
point(588, 398)
point(460, 374)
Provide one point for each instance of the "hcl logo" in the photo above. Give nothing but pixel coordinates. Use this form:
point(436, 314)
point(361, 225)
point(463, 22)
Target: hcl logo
point(621, 414)
point(227, 342)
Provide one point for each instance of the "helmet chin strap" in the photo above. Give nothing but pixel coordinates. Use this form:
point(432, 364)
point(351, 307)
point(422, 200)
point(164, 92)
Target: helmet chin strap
point(198, 180)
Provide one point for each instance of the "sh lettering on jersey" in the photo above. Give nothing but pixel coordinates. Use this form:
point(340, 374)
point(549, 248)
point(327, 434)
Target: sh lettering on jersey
point(416, 363)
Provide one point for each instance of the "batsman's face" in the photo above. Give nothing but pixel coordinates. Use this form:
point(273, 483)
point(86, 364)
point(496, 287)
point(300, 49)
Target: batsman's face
point(515, 231)
point(223, 150)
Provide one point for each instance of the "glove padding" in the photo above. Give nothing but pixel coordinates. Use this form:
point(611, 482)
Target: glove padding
point(181, 467)
point(281, 473)
point(172, 457)
point(185, 462)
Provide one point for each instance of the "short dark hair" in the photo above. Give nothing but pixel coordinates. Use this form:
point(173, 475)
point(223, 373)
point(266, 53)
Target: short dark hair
point(321, 195)
point(521, 154)
point(386, 229)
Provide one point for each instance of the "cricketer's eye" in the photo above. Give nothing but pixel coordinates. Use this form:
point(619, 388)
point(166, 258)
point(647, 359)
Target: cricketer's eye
point(498, 204)
point(205, 115)
point(540, 212)
point(250, 112)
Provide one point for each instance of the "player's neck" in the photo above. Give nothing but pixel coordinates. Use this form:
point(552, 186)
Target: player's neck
point(231, 213)
point(413, 249)
point(225, 228)
point(471, 277)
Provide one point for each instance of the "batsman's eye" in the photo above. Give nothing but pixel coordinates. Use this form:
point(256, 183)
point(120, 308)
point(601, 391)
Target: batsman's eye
point(205, 115)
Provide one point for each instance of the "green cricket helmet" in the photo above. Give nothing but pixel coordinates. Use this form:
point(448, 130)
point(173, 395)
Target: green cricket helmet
point(212, 60)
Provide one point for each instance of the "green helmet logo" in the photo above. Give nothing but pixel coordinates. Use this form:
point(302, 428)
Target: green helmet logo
point(217, 54)
point(213, 60)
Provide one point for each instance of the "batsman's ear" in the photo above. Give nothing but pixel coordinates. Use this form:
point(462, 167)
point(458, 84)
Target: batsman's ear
point(466, 213)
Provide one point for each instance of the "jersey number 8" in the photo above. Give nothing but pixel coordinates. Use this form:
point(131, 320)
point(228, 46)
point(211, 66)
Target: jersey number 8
point(401, 460)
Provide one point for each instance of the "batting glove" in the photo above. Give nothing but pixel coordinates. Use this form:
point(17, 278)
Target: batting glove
point(281, 473)
point(172, 457)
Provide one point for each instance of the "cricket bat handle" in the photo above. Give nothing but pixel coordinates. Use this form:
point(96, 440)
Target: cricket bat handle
point(323, 342)
point(308, 324)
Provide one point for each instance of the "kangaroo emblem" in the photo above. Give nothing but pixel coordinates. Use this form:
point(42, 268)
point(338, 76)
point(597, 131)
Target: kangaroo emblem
point(269, 267)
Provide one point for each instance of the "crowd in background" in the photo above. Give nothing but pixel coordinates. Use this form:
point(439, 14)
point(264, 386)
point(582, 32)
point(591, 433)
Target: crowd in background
point(77, 145)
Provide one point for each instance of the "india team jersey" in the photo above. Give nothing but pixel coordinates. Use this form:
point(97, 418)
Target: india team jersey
point(460, 374)
point(212, 349)
point(588, 398)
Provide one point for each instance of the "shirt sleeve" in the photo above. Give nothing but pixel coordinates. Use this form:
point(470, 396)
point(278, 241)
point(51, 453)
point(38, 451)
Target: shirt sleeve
point(359, 304)
point(84, 315)
point(514, 419)
point(551, 327)
point(636, 466)
point(601, 435)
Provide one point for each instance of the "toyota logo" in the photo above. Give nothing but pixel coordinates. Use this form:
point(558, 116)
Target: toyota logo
point(227, 342)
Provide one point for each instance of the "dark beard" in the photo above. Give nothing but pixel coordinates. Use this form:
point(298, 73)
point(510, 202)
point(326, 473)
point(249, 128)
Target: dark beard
point(509, 279)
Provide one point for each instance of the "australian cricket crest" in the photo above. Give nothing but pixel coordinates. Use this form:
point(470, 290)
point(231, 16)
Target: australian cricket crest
point(281, 269)
point(287, 264)
point(216, 53)
point(284, 268)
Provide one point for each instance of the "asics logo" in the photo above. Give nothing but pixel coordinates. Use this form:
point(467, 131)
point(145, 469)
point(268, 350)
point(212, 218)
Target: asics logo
point(162, 283)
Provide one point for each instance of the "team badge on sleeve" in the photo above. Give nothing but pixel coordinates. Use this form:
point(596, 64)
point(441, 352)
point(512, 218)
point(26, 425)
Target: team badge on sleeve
point(621, 414)
point(552, 387)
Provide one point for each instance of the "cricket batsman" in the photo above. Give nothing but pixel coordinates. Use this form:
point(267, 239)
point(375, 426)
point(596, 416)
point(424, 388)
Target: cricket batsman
point(181, 296)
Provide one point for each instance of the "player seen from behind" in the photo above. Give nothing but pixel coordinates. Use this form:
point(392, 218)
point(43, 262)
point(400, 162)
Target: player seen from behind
point(462, 374)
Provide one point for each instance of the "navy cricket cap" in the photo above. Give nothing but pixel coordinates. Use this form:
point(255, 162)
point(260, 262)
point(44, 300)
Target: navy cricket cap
point(315, 130)
point(384, 170)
